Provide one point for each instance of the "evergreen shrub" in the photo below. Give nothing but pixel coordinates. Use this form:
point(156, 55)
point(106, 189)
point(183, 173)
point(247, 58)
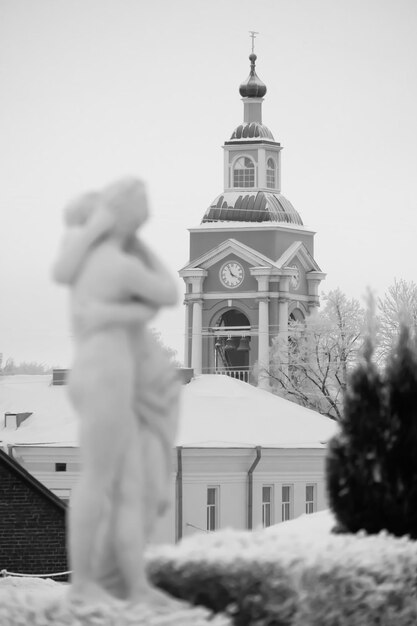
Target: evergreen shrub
point(371, 465)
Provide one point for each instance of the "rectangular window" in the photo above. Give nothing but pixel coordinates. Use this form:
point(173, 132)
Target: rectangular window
point(270, 179)
point(286, 502)
point(244, 178)
point(212, 508)
point(310, 498)
point(60, 467)
point(266, 506)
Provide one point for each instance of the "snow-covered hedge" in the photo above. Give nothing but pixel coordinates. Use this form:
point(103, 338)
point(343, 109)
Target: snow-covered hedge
point(295, 574)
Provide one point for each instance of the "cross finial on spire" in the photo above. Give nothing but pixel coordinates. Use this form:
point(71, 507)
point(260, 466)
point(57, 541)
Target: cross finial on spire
point(253, 34)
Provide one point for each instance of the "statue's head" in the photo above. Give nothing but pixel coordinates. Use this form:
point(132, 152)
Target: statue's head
point(127, 199)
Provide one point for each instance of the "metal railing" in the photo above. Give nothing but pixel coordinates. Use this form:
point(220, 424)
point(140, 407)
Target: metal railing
point(242, 373)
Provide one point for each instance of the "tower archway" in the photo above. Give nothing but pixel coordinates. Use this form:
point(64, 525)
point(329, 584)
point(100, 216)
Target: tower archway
point(232, 344)
point(297, 315)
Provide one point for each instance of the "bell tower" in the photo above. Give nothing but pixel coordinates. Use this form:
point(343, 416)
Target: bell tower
point(251, 266)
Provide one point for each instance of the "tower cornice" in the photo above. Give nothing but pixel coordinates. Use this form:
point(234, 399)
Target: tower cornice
point(252, 142)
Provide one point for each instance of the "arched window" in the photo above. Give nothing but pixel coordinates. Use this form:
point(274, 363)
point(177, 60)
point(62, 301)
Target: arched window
point(297, 316)
point(244, 173)
point(270, 174)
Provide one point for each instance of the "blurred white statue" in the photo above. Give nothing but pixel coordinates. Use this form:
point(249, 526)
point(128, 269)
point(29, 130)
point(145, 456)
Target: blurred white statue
point(124, 390)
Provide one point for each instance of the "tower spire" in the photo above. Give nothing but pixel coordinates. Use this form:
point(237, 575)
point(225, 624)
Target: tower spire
point(253, 87)
point(253, 34)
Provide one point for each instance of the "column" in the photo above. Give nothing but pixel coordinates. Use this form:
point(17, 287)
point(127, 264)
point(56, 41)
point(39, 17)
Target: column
point(262, 276)
point(279, 172)
point(186, 335)
point(263, 338)
point(283, 318)
point(197, 337)
point(261, 167)
point(313, 281)
point(283, 333)
point(284, 285)
point(194, 278)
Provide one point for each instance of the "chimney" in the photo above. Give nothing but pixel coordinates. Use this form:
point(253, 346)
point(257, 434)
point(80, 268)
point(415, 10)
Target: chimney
point(12, 421)
point(185, 374)
point(59, 376)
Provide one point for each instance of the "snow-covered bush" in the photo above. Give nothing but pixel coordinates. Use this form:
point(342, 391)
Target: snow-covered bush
point(294, 578)
point(294, 574)
point(372, 462)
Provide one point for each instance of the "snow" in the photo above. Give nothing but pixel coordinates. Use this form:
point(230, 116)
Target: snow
point(44, 586)
point(318, 578)
point(32, 601)
point(219, 411)
point(216, 411)
point(309, 526)
point(53, 420)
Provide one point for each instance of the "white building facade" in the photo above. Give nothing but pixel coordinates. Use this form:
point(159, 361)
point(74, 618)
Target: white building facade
point(258, 463)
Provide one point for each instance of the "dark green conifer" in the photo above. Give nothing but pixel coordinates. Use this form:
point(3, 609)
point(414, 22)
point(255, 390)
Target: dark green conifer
point(371, 464)
point(401, 437)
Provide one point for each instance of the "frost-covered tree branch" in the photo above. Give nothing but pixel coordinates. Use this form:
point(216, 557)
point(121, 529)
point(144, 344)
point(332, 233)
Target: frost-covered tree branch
point(398, 306)
point(311, 368)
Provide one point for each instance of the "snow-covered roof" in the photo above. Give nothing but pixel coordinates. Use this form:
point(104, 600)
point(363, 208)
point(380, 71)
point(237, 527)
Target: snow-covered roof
point(53, 420)
point(216, 412)
point(219, 411)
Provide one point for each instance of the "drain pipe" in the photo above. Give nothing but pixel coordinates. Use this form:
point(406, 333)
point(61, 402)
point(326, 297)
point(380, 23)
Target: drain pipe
point(250, 486)
point(178, 496)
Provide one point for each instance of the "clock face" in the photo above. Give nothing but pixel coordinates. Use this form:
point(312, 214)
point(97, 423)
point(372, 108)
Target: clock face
point(231, 274)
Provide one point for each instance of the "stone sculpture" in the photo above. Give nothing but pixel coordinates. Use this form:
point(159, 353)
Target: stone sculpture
point(124, 390)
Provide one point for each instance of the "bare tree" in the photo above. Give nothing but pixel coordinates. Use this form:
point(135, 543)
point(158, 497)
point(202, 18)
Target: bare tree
point(398, 306)
point(312, 366)
point(24, 367)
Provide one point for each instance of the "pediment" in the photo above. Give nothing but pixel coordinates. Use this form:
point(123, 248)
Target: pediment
point(227, 247)
point(298, 251)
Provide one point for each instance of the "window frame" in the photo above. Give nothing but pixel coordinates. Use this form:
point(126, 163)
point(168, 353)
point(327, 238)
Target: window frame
point(61, 467)
point(212, 509)
point(286, 505)
point(267, 506)
point(311, 505)
point(244, 180)
point(271, 183)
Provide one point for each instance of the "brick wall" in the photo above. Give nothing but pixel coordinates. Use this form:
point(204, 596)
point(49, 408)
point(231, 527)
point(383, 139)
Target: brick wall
point(32, 523)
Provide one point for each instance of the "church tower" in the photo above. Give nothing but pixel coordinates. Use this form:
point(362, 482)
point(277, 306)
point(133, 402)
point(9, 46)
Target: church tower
point(251, 266)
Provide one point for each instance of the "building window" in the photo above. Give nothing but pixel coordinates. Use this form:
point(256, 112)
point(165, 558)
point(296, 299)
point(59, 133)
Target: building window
point(286, 502)
point(310, 498)
point(212, 508)
point(244, 173)
point(266, 506)
point(270, 174)
point(60, 467)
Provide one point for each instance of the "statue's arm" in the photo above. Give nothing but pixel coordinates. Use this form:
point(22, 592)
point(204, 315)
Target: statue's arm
point(145, 277)
point(76, 245)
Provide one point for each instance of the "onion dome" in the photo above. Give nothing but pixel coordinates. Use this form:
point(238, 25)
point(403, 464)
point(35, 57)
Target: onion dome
point(255, 206)
point(252, 130)
point(253, 87)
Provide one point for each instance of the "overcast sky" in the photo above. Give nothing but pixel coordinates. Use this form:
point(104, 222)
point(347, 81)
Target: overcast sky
point(92, 90)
